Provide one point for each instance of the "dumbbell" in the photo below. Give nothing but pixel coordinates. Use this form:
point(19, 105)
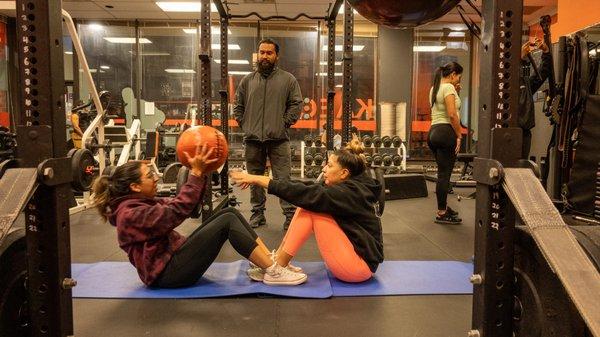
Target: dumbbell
point(387, 141)
point(396, 141)
point(367, 140)
point(308, 159)
point(368, 159)
point(387, 160)
point(319, 159)
point(308, 140)
point(376, 141)
point(308, 172)
point(317, 171)
point(317, 141)
point(397, 160)
point(377, 160)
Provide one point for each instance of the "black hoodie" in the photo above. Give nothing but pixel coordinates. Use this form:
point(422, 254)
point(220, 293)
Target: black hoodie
point(350, 203)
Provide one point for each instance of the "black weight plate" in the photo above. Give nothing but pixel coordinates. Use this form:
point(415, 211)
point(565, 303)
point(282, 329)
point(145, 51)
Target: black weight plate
point(170, 173)
point(83, 164)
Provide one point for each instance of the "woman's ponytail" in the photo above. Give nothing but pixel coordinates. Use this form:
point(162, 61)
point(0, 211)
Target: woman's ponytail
point(441, 72)
point(114, 183)
point(436, 84)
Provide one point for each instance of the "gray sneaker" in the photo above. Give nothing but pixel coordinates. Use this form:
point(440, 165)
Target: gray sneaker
point(257, 219)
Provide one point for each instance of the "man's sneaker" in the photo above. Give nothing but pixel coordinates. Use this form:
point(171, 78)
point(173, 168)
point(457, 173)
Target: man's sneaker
point(287, 222)
point(258, 219)
point(277, 275)
point(447, 219)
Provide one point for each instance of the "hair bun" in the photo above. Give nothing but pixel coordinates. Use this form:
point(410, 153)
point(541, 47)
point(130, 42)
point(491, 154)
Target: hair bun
point(355, 146)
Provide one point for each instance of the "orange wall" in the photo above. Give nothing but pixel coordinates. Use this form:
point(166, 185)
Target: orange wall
point(536, 30)
point(575, 15)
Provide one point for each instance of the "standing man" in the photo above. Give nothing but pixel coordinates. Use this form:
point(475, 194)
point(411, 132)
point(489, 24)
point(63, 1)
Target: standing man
point(530, 83)
point(267, 103)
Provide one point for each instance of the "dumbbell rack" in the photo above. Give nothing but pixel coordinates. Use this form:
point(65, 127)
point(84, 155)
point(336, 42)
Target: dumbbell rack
point(312, 150)
point(370, 151)
point(382, 151)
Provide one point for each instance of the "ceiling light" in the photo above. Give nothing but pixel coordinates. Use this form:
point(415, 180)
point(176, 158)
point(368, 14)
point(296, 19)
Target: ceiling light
point(456, 33)
point(180, 71)
point(129, 40)
point(217, 46)
point(239, 72)
point(104, 67)
point(324, 63)
point(432, 49)
point(325, 74)
point(213, 31)
point(339, 47)
point(183, 6)
point(8, 5)
point(150, 53)
point(96, 26)
point(234, 61)
point(69, 52)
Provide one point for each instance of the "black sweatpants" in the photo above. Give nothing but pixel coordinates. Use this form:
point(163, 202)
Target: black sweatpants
point(442, 142)
point(201, 248)
point(256, 155)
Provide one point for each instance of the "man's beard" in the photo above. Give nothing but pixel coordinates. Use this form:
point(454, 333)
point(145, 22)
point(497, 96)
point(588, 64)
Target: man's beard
point(265, 67)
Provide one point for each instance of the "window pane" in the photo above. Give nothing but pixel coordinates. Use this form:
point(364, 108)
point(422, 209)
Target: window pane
point(363, 81)
point(434, 48)
point(110, 55)
point(168, 68)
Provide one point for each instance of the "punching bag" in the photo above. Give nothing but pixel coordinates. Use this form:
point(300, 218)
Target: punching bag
point(402, 13)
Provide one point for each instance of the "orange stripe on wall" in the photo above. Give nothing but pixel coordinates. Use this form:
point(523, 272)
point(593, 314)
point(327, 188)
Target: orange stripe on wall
point(4, 119)
point(303, 124)
point(575, 15)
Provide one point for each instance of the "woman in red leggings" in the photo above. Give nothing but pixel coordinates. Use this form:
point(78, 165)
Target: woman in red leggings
point(340, 212)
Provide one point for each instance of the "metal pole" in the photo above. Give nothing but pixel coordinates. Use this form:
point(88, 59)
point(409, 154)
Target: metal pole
point(330, 82)
point(499, 145)
point(347, 86)
point(204, 82)
point(138, 72)
point(41, 135)
point(224, 98)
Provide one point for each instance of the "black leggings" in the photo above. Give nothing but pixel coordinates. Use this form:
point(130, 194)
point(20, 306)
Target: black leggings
point(442, 142)
point(201, 248)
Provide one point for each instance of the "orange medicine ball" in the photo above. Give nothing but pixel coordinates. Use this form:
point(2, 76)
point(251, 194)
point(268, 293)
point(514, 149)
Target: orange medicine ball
point(203, 135)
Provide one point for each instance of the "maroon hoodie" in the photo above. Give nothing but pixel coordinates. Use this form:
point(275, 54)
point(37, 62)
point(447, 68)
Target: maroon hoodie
point(145, 226)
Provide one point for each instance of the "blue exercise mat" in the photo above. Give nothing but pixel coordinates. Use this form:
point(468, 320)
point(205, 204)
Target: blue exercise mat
point(120, 280)
point(411, 278)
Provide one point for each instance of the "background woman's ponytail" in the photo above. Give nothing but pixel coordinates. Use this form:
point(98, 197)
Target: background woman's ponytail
point(441, 72)
point(437, 79)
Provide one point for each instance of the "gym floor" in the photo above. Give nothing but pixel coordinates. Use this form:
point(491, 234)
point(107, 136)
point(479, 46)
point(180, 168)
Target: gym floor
point(409, 234)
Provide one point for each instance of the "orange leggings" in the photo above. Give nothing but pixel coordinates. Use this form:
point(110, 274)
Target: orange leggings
point(337, 251)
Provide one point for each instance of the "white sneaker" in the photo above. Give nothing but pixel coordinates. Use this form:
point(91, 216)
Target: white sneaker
point(277, 275)
point(273, 256)
point(290, 266)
